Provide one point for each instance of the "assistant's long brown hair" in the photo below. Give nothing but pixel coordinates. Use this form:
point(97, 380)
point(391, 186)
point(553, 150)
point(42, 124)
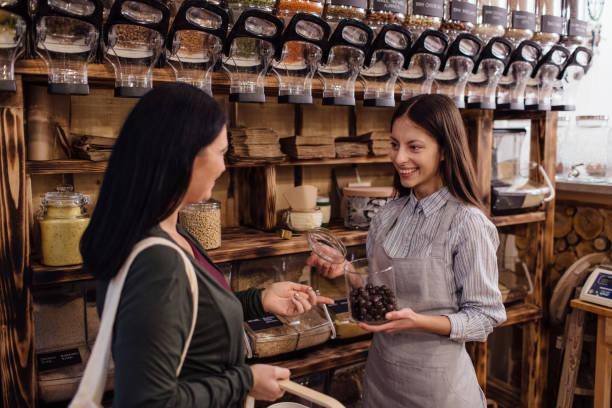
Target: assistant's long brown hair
point(438, 115)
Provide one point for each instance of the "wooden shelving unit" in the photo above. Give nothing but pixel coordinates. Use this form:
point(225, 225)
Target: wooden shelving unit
point(259, 184)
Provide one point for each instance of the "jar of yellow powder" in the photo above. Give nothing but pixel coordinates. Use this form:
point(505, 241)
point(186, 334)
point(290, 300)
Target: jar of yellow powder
point(63, 220)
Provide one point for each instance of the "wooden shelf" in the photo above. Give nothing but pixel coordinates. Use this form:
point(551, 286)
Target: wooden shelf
point(327, 357)
point(49, 275)
point(506, 220)
point(506, 395)
point(351, 160)
point(68, 166)
point(522, 313)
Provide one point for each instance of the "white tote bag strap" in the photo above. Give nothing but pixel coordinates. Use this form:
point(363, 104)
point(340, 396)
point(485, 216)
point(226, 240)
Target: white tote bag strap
point(91, 388)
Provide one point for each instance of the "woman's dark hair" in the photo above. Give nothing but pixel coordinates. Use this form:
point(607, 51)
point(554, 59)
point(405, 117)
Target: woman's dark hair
point(148, 172)
point(438, 115)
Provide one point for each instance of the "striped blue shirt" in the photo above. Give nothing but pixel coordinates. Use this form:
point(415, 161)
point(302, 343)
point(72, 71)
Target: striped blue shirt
point(472, 244)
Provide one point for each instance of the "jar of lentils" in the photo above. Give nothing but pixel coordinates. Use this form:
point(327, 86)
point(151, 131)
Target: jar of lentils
point(286, 9)
point(424, 15)
point(203, 221)
point(337, 10)
point(381, 12)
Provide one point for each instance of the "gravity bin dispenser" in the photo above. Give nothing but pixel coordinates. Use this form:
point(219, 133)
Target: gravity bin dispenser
point(133, 40)
point(384, 60)
point(566, 88)
point(14, 19)
point(67, 33)
point(343, 60)
point(195, 43)
point(540, 87)
point(457, 66)
point(513, 182)
point(423, 63)
point(511, 89)
point(249, 53)
point(489, 68)
point(298, 57)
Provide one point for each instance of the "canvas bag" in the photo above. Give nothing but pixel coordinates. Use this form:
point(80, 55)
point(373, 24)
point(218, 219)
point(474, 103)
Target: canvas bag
point(91, 388)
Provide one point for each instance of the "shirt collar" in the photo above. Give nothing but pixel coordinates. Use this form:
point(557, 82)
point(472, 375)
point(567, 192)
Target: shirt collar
point(432, 203)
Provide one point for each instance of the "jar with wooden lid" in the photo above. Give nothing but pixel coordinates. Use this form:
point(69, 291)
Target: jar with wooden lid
point(423, 15)
point(63, 220)
point(492, 19)
point(203, 221)
point(381, 12)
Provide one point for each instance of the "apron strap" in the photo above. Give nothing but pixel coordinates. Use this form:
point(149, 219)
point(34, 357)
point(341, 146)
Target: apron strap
point(439, 243)
point(384, 232)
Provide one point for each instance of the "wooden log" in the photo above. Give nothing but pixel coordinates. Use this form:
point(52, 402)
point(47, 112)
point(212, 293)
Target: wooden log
point(564, 260)
point(588, 223)
point(571, 359)
point(601, 244)
point(18, 384)
point(561, 245)
point(572, 238)
point(257, 198)
point(570, 211)
point(607, 214)
point(584, 248)
point(563, 225)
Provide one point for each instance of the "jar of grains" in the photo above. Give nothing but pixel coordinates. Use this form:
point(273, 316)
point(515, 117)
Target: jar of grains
point(203, 221)
point(549, 22)
point(460, 17)
point(522, 21)
point(492, 19)
point(424, 15)
point(337, 10)
point(63, 219)
point(381, 12)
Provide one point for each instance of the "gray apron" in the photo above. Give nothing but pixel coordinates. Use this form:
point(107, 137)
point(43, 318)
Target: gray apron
point(415, 368)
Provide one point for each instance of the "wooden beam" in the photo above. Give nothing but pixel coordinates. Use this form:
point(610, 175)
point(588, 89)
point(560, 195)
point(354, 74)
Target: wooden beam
point(18, 385)
point(479, 128)
point(571, 359)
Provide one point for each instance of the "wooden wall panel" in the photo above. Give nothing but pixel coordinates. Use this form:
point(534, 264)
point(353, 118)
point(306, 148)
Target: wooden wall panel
point(280, 117)
point(99, 113)
point(325, 120)
point(369, 119)
point(17, 385)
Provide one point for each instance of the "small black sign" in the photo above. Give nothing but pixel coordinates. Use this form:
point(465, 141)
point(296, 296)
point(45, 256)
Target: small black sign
point(577, 28)
point(523, 20)
point(340, 306)
point(551, 24)
point(392, 6)
point(350, 3)
point(58, 359)
point(430, 8)
point(494, 15)
point(264, 323)
point(463, 11)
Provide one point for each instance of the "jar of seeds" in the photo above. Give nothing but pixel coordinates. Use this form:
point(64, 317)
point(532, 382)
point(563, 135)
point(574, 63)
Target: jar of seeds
point(203, 221)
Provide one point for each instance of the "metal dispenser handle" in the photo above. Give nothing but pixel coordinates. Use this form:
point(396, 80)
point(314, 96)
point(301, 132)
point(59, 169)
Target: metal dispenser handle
point(551, 187)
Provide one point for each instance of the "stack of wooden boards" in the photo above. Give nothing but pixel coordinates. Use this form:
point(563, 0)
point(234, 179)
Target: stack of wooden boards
point(254, 145)
point(326, 147)
point(309, 147)
point(379, 141)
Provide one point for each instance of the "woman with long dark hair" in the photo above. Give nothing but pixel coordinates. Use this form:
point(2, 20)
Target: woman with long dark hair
point(169, 154)
point(442, 248)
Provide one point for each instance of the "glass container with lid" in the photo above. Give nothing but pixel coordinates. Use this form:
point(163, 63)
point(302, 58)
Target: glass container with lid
point(549, 23)
point(566, 88)
point(342, 61)
point(195, 42)
point(487, 72)
point(286, 9)
point(492, 19)
point(423, 63)
point(268, 337)
point(545, 74)
point(511, 89)
point(515, 184)
point(384, 60)
point(63, 219)
point(590, 158)
point(67, 33)
point(298, 57)
point(237, 7)
point(338, 10)
point(424, 15)
point(381, 12)
point(314, 327)
point(522, 20)
point(133, 41)
point(457, 66)
point(13, 25)
point(577, 30)
point(461, 17)
point(249, 52)
point(203, 221)
point(371, 291)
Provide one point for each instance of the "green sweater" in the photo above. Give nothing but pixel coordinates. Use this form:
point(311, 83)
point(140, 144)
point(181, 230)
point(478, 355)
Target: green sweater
point(153, 322)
